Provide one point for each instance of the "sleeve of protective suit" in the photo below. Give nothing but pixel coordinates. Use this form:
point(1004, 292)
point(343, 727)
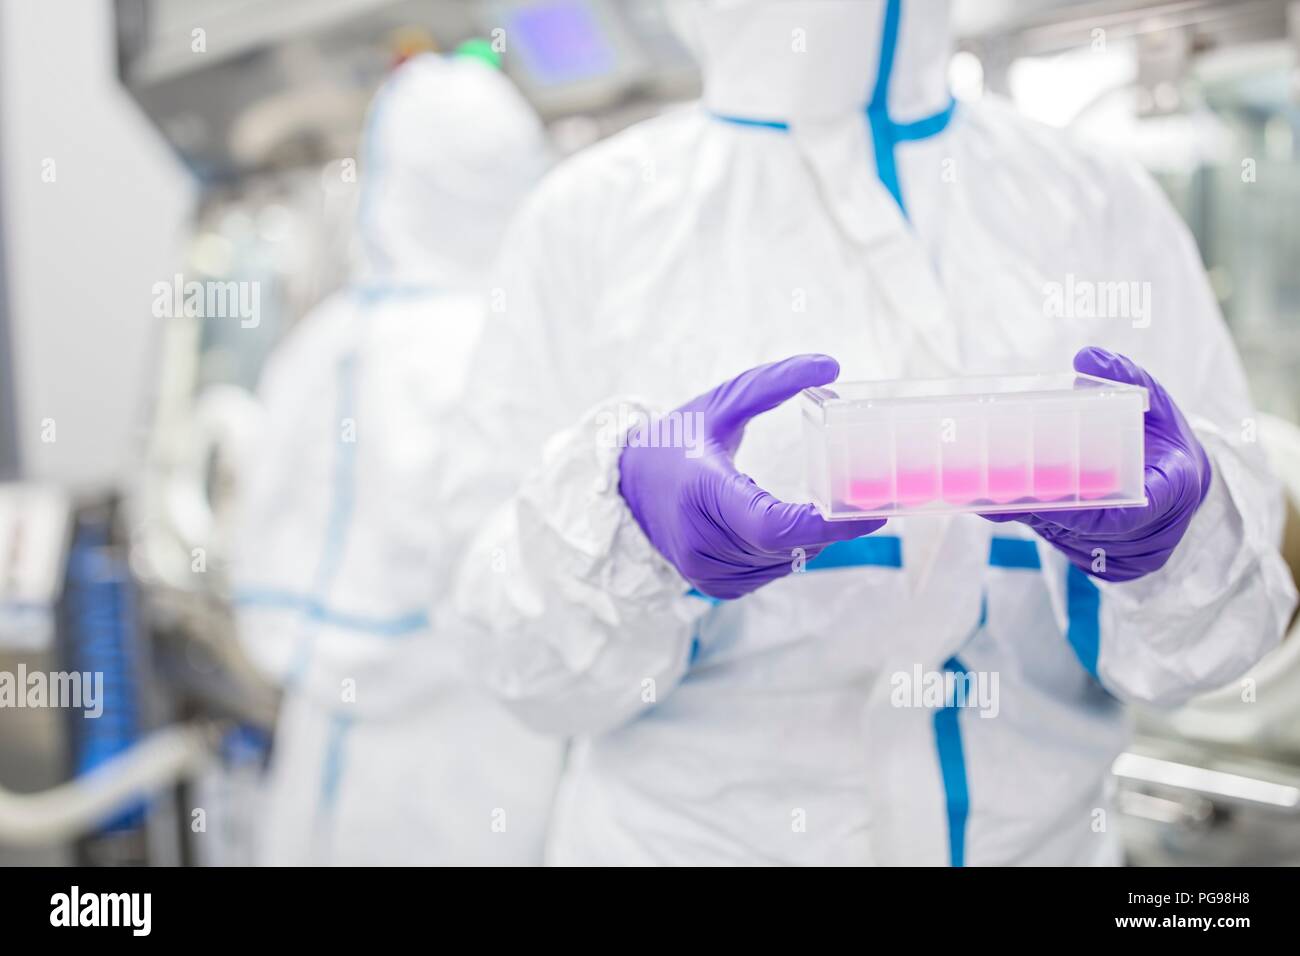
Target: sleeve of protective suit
point(1225, 596)
point(568, 613)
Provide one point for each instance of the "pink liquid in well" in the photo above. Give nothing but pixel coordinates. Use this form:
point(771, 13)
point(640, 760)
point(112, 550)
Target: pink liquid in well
point(1098, 482)
point(961, 485)
point(869, 494)
point(1053, 481)
point(918, 486)
point(1008, 484)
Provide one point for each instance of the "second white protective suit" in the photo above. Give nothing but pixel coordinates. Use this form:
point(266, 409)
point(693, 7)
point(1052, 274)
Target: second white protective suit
point(827, 196)
point(383, 753)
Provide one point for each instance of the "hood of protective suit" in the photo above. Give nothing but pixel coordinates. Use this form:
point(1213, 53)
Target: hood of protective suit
point(794, 61)
point(450, 148)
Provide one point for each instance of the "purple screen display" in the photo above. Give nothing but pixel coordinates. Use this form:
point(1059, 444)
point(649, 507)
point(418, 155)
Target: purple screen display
point(561, 42)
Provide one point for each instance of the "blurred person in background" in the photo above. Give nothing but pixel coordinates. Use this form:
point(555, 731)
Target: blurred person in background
point(827, 197)
point(382, 753)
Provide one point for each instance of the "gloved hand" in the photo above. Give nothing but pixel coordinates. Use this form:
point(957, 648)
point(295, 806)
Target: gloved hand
point(722, 532)
point(1133, 541)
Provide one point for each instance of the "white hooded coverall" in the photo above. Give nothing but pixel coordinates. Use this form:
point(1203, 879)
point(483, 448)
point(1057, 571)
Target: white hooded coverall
point(383, 753)
point(826, 196)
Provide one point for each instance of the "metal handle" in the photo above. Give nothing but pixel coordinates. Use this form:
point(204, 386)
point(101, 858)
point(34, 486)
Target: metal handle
point(1215, 785)
point(71, 809)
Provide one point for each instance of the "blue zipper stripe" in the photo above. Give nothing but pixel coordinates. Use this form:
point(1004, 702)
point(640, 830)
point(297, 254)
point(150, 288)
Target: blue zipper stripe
point(1083, 609)
point(952, 768)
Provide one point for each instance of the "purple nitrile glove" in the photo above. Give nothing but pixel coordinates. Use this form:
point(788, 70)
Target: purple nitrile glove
point(722, 532)
point(1133, 541)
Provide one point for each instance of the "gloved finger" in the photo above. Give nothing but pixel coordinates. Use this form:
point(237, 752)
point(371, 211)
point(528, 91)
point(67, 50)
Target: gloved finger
point(1096, 523)
point(1001, 516)
point(760, 389)
point(787, 526)
point(1102, 522)
point(1103, 363)
point(768, 524)
point(1173, 478)
point(1094, 360)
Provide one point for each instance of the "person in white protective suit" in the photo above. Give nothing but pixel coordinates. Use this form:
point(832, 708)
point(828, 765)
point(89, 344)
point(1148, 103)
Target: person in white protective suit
point(826, 195)
point(383, 754)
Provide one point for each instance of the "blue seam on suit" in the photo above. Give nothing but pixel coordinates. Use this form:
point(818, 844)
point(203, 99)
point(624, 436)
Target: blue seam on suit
point(395, 626)
point(952, 768)
point(1083, 611)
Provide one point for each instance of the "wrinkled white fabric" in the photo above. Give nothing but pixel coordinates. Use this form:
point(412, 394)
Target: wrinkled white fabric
point(688, 248)
point(383, 752)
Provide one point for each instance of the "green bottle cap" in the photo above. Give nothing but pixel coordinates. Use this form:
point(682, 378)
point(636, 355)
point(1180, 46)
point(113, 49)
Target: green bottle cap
point(480, 49)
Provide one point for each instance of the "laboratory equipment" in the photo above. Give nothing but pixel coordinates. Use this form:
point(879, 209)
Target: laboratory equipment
point(35, 522)
point(983, 444)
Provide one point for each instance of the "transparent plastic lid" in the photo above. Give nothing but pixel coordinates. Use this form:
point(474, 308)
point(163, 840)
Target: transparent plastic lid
point(980, 388)
point(1002, 443)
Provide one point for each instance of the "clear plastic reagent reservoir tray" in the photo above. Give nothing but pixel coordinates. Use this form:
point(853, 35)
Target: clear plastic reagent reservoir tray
point(981, 444)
